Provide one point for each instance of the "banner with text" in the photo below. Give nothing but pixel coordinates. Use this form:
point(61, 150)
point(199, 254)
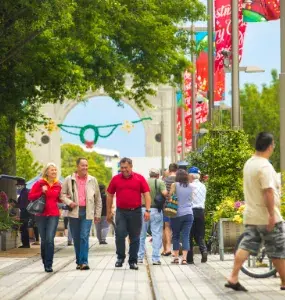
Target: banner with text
point(223, 30)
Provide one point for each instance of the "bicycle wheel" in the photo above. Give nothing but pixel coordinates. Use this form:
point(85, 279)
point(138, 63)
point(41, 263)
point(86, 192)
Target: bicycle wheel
point(259, 266)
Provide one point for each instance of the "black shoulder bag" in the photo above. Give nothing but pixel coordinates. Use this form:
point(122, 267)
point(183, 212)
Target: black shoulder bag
point(37, 206)
point(159, 199)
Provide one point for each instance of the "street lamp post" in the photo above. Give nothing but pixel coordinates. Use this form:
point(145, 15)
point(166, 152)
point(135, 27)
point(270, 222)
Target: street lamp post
point(211, 68)
point(282, 87)
point(193, 94)
point(235, 66)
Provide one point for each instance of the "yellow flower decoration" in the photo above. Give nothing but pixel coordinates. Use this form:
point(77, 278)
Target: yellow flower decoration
point(51, 126)
point(128, 126)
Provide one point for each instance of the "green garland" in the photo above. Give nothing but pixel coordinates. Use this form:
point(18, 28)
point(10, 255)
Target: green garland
point(96, 130)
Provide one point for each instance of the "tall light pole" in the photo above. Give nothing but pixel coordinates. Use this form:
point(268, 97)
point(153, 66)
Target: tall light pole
point(235, 66)
point(193, 93)
point(182, 114)
point(282, 87)
point(162, 136)
point(211, 67)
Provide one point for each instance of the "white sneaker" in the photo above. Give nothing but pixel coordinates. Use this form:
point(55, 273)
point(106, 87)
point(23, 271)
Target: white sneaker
point(140, 261)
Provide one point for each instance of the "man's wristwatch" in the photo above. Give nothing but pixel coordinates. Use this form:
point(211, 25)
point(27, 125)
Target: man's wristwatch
point(147, 210)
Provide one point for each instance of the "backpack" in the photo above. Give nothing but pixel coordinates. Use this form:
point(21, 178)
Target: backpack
point(159, 199)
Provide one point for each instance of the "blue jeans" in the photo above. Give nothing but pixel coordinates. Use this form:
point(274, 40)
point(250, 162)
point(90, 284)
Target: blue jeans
point(181, 225)
point(128, 223)
point(47, 228)
point(80, 230)
point(156, 225)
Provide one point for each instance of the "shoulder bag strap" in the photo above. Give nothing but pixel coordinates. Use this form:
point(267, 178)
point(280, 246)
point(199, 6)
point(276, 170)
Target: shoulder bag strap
point(155, 184)
point(72, 188)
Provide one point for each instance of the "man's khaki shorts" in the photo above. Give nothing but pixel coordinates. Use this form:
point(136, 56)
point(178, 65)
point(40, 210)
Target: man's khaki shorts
point(274, 241)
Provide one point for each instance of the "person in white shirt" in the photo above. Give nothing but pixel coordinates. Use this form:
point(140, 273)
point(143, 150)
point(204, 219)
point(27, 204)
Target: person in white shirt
point(262, 217)
point(198, 228)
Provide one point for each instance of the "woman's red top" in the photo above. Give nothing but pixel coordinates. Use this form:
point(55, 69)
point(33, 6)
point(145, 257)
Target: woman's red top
point(52, 196)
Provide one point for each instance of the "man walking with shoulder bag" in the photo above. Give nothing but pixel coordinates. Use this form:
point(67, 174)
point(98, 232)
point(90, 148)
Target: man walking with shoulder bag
point(158, 193)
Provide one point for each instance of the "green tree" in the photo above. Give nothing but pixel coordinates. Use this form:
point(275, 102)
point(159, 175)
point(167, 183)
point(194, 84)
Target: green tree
point(223, 156)
point(96, 166)
point(26, 167)
point(260, 112)
point(56, 49)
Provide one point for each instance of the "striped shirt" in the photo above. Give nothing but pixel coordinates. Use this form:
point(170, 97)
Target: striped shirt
point(168, 181)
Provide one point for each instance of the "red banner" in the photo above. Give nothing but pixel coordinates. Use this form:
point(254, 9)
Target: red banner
point(261, 11)
point(223, 29)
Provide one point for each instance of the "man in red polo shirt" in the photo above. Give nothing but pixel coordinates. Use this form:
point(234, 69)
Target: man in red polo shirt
point(128, 187)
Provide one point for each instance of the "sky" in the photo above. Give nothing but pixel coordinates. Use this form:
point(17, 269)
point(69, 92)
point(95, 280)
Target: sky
point(261, 49)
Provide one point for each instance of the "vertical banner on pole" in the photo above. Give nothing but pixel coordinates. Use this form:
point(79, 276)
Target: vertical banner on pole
point(223, 29)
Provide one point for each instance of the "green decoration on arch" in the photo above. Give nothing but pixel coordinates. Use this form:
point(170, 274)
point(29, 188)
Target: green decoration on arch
point(96, 130)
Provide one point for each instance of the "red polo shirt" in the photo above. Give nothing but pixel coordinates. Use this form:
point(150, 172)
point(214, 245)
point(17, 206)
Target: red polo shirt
point(128, 190)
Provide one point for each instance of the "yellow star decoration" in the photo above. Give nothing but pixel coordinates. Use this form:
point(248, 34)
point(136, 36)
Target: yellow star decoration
point(51, 126)
point(128, 126)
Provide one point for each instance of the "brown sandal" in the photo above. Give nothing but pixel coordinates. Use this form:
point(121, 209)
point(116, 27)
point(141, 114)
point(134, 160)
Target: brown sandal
point(184, 262)
point(175, 261)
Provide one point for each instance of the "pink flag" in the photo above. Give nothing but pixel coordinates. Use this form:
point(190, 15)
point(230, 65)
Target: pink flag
point(223, 29)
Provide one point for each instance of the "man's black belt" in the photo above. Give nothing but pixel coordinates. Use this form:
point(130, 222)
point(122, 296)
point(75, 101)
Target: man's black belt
point(130, 209)
point(198, 208)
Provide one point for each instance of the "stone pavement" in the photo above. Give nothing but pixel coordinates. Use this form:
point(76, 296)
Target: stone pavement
point(104, 281)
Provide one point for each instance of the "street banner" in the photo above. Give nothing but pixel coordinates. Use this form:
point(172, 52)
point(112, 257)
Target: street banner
point(223, 30)
point(261, 10)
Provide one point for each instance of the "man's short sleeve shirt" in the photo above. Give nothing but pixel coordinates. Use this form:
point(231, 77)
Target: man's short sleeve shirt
point(128, 190)
point(259, 175)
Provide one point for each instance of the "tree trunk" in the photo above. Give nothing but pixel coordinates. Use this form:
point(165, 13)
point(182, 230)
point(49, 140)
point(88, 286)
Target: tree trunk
point(7, 146)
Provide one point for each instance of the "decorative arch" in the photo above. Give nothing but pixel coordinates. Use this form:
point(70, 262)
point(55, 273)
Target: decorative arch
point(50, 151)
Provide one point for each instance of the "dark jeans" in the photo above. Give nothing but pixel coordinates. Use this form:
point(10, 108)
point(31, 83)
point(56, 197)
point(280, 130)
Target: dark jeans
point(24, 219)
point(128, 223)
point(80, 231)
point(197, 233)
point(181, 226)
point(47, 227)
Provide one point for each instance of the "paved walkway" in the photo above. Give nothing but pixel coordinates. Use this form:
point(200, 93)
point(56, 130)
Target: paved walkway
point(104, 281)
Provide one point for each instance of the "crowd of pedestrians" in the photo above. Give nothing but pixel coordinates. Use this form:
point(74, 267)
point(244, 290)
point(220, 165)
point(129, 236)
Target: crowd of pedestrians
point(139, 212)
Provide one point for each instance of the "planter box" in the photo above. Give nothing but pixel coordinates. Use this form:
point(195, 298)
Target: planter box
point(9, 240)
point(229, 233)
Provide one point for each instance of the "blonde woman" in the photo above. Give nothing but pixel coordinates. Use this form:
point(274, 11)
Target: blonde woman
point(47, 221)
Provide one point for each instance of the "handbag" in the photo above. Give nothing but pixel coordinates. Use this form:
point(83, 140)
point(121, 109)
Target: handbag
point(159, 199)
point(37, 206)
point(171, 206)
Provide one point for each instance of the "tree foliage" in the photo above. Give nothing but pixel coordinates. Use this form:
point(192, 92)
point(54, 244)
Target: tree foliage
point(26, 167)
point(222, 158)
point(96, 166)
point(51, 50)
point(260, 111)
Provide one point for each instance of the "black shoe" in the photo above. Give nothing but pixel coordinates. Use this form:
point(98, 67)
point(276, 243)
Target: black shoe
point(24, 246)
point(84, 267)
point(190, 262)
point(204, 257)
point(104, 243)
point(78, 267)
point(49, 269)
point(134, 266)
point(119, 263)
